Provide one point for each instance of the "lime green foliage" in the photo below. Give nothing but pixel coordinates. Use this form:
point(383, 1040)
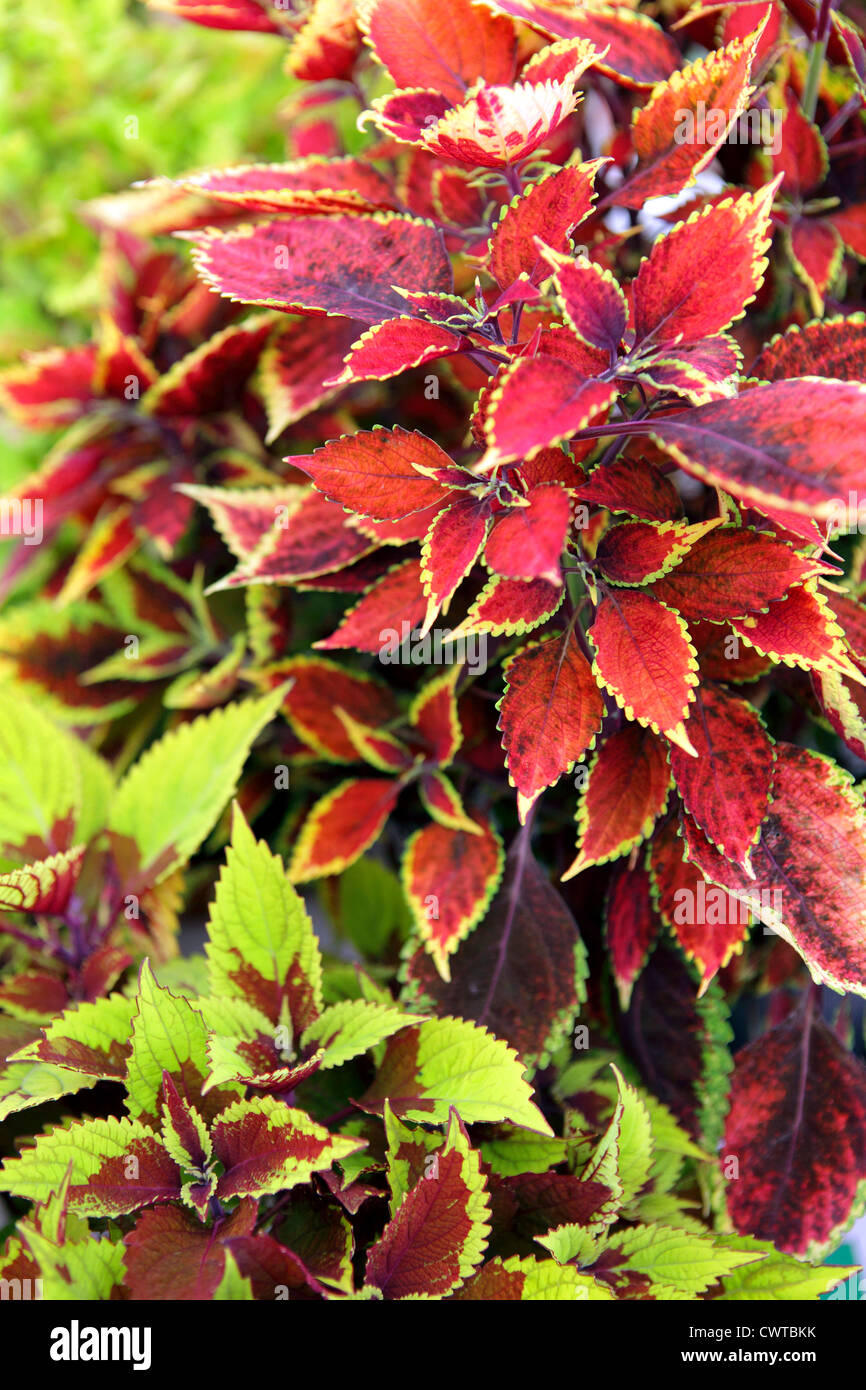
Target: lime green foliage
point(73, 79)
point(258, 920)
point(171, 799)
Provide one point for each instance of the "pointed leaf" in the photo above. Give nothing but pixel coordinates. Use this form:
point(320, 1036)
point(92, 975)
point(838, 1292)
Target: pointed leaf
point(550, 714)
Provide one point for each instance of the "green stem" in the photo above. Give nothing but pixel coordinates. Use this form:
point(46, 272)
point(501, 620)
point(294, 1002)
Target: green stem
point(816, 60)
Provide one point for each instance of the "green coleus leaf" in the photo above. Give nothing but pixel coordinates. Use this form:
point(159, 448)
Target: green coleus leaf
point(265, 1146)
point(351, 1027)
point(448, 1062)
point(116, 1166)
point(777, 1277)
point(25, 1084)
point(439, 1232)
point(669, 1259)
point(515, 1151)
point(86, 1044)
point(634, 1141)
point(526, 1279)
point(87, 1270)
point(52, 786)
point(170, 800)
point(372, 907)
point(168, 1034)
point(90, 1038)
point(262, 946)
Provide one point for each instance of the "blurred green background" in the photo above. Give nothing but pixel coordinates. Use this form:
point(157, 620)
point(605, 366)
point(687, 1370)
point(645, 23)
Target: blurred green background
point(71, 73)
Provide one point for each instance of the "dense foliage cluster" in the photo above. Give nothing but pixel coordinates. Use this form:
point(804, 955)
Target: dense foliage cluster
point(433, 526)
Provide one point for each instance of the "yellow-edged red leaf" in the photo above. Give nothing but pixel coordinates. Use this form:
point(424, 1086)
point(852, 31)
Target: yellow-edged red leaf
point(699, 277)
point(341, 826)
point(326, 265)
point(644, 657)
point(450, 877)
point(809, 866)
point(626, 791)
point(679, 130)
point(727, 787)
point(549, 715)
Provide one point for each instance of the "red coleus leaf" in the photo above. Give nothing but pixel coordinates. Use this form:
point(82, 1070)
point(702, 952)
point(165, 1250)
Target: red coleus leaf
point(797, 1127)
point(170, 1255)
point(341, 826)
point(444, 46)
point(732, 571)
point(327, 43)
point(809, 867)
point(296, 365)
point(243, 516)
point(527, 542)
point(393, 346)
point(709, 923)
point(636, 552)
point(700, 276)
point(726, 788)
point(111, 541)
point(520, 972)
point(834, 347)
point(799, 630)
point(34, 994)
point(700, 372)
point(802, 154)
point(449, 877)
point(302, 186)
point(550, 714)
point(678, 132)
point(318, 688)
point(334, 265)
point(850, 223)
point(844, 704)
point(434, 717)
point(50, 388)
point(635, 486)
point(374, 472)
point(307, 538)
point(442, 800)
point(593, 305)
point(227, 14)
point(625, 791)
point(531, 1204)
point(377, 747)
point(645, 659)
point(272, 1269)
point(639, 53)
point(379, 617)
point(816, 251)
point(550, 209)
point(453, 543)
point(211, 377)
point(120, 363)
point(631, 926)
point(515, 428)
point(508, 606)
point(797, 446)
point(439, 1232)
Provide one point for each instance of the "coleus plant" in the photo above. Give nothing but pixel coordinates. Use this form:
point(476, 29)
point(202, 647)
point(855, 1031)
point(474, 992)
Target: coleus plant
point(476, 386)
